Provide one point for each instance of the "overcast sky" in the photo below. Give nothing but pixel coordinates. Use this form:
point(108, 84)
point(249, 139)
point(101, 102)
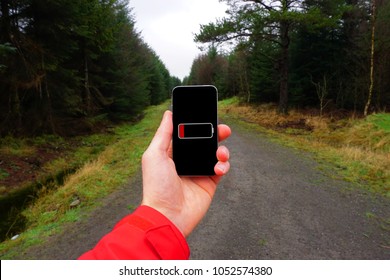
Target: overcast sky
point(168, 27)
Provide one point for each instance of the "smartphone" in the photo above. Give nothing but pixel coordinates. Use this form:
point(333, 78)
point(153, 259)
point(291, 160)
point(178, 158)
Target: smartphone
point(195, 133)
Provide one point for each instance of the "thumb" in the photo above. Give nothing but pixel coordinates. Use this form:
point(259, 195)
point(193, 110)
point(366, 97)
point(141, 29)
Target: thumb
point(163, 137)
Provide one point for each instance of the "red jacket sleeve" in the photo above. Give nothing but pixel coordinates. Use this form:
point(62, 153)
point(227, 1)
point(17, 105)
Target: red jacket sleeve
point(145, 234)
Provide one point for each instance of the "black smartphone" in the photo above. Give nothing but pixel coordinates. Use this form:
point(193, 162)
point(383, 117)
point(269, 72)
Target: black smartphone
point(195, 133)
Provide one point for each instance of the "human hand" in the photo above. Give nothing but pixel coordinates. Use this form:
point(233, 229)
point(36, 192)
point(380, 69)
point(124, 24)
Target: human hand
point(183, 200)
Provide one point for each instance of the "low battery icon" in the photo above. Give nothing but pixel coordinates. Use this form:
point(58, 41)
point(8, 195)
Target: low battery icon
point(195, 130)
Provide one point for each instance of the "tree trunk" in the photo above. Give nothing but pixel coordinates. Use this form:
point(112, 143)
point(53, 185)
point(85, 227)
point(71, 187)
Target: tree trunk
point(86, 85)
point(283, 90)
point(48, 103)
point(248, 90)
point(5, 23)
point(371, 88)
point(15, 111)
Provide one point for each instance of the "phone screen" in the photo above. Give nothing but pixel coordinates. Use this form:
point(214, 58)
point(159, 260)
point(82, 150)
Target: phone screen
point(195, 133)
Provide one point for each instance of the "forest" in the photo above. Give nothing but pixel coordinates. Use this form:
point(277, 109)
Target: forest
point(333, 55)
point(67, 67)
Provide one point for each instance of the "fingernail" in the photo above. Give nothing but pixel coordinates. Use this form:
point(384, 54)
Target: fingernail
point(221, 167)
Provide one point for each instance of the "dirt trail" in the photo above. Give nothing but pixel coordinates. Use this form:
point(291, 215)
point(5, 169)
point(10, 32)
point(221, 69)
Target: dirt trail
point(274, 204)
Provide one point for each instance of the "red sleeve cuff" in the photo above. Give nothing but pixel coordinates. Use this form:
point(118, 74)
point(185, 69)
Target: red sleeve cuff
point(144, 234)
point(165, 237)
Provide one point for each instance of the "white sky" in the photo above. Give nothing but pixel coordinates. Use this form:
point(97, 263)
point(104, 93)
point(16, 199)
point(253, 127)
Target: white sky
point(168, 27)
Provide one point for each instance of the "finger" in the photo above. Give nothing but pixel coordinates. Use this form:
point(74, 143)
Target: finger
point(223, 154)
point(162, 139)
point(221, 168)
point(224, 132)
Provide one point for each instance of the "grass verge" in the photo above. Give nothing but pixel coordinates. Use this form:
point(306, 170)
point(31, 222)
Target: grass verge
point(358, 149)
point(93, 181)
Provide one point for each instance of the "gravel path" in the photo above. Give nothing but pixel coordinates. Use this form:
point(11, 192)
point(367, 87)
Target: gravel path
point(276, 204)
point(273, 204)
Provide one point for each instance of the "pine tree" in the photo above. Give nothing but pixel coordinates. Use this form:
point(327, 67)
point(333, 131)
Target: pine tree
point(267, 20)
point(64, 64)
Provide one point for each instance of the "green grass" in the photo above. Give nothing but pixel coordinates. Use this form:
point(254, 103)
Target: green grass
point(112, 167)
point(381, 121)
point(16, 147)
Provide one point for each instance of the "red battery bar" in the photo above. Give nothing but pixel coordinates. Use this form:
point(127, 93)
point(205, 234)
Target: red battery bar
point(195, 130)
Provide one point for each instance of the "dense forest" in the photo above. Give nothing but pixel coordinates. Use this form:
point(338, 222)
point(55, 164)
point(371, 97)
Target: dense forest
point(67, 66)
point(330, 54)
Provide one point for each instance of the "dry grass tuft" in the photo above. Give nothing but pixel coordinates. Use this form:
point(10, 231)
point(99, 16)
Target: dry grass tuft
point(16, 147)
